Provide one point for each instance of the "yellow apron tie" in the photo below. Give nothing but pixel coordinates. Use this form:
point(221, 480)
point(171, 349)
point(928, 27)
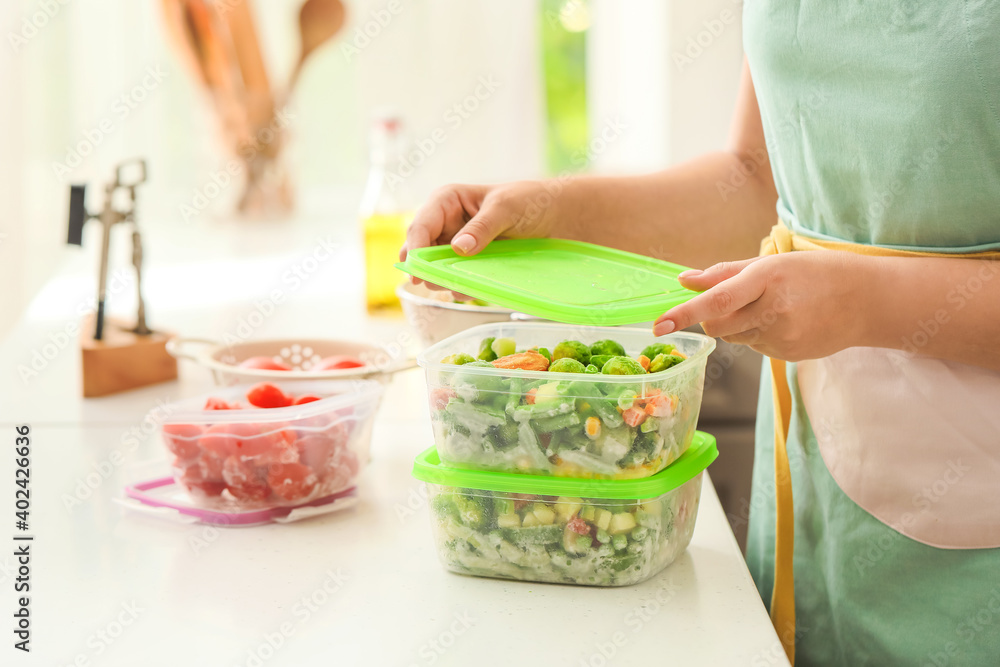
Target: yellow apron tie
point(781, 240)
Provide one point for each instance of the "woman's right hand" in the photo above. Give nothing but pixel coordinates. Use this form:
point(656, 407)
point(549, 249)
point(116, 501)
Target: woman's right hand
point(470, 216)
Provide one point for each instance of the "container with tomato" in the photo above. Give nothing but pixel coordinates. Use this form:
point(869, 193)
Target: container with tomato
point(270, 445)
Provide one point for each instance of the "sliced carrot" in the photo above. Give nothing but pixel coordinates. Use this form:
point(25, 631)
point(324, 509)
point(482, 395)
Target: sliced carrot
point(644, 362)
point(530, 396)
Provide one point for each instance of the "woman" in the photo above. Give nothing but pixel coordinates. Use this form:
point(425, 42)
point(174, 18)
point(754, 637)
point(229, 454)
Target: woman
point(873, 129)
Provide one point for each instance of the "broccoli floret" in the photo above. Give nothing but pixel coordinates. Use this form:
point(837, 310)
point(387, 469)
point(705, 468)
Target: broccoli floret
point(474, 510)
point(459, 359)
point(623, 366)
point(607, 347)
point(662, 362)
point(486, 352)
point(567, 365)
point(657, 348)
point(572, 349)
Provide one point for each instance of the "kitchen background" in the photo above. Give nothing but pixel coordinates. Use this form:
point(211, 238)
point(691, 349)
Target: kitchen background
point(542, 87)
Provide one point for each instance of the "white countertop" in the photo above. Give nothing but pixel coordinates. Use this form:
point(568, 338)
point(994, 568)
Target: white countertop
point(358, 587)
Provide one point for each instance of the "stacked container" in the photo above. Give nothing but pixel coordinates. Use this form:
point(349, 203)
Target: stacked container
point(565, 477)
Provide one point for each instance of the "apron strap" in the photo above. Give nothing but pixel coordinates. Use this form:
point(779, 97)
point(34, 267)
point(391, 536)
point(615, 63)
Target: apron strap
point(782, 240)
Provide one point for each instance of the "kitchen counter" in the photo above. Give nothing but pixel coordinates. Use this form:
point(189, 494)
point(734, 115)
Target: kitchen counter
point(111, 586)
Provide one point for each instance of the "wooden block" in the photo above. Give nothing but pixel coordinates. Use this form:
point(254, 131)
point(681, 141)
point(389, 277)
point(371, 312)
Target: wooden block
point(122, 360)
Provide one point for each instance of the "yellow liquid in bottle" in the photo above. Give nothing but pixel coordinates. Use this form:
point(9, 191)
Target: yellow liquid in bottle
point(385, 234)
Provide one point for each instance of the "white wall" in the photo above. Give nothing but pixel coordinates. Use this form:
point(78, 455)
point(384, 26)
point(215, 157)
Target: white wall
point(670, 70)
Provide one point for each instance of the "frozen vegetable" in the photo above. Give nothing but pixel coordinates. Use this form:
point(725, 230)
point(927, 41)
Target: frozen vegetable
point(607, 347)
point(657, 348)
point(458, 359)
point(600, 359)
point(486, 352)
point(567, 365)
point(561, 539)
point(662, 362)
point(585, 427)
point(623, 366)
point(572, 349)
point(526, 361)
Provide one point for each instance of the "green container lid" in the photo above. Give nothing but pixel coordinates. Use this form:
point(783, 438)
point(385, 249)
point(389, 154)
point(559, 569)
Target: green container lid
point(428, 468)
point(564, 281)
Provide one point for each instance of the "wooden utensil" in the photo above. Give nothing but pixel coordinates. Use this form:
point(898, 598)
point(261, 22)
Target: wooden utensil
point(319, 22)
point(258, 100)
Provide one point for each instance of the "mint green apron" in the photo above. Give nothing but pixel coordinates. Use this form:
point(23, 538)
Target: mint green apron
point(882, 125)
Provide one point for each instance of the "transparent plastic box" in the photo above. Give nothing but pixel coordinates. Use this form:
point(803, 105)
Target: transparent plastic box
point(247, 459)
point(555, 532)
point(580, 425)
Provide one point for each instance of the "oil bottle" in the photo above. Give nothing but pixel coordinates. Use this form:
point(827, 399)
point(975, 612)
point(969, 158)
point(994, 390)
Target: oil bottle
point(385, 213)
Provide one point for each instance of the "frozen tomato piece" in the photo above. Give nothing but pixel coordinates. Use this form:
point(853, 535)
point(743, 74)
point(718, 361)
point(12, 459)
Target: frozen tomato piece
point(267, 395)
point(315, 451)
point(292, 481)
point(244, 480)
point(634, 416)
point(182, 440)
point(351, 463)
point(578, 526)
point(659, 406)
point(214, 403)
point(306, 398)
point(440, 396)
point(264, 364)
point(211, 466)
point(225, 439)
point(192, 478)
point(337, 362)
point(335, 480)
point(204, 488)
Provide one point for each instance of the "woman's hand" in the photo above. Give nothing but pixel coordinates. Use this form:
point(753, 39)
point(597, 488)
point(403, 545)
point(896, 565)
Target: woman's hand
point(470, 216)
point(794, 306)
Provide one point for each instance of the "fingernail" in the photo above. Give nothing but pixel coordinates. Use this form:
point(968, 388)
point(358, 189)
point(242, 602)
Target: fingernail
point(464, 242)
point(663, 328)
point(690, 273)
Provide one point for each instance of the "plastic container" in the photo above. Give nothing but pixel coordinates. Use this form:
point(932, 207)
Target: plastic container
point(436, 316)
point(244, 459)
point(579, 423)
point(560, 280)
point(554, 530)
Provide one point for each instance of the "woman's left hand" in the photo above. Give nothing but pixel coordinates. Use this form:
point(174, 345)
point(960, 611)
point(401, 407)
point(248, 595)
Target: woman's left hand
point(794, 306)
